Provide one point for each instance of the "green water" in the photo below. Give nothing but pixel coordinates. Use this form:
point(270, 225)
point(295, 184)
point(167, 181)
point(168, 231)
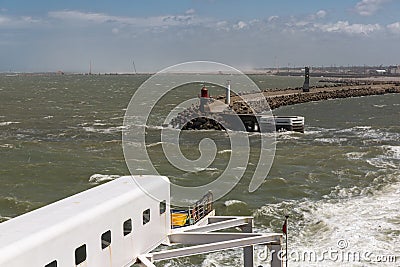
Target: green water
point(340, 179)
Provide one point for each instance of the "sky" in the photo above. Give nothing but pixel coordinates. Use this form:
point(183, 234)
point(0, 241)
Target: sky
point(49, 35)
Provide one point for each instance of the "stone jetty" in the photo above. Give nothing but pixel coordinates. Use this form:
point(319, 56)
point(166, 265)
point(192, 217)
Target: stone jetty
point(276, 101)
point(345, 89)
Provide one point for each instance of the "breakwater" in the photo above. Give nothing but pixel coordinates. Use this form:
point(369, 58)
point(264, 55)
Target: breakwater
point(346, 92)
point(283, 97)
point(344, 89)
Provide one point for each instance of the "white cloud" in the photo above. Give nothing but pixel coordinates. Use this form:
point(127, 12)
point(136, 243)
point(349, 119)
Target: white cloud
point(190, 11)
point(29, 19)
point(240, 25)
point(4, 20)
point(346, 27)
point(161, 40)
point(222, 25)
point(321, 14)
point(369, 7)
point(273, 18)
point(157, 21)
point(18, 22)
point(394, 27)
point(77, 15)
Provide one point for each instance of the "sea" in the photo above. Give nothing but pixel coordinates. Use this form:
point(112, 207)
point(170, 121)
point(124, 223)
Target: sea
point(339, 181)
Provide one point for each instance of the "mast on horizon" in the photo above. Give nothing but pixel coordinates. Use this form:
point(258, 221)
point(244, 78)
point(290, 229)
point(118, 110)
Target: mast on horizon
point(90, 67)
point(134, 67)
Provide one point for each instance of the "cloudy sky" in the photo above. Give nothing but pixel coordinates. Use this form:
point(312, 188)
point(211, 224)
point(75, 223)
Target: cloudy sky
point(48, 35)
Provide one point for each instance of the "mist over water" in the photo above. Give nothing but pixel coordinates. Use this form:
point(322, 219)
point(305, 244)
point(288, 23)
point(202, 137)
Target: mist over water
point(340, 180)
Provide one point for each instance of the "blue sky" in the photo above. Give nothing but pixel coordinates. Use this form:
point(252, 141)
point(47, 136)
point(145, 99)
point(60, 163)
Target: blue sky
point(48, 35)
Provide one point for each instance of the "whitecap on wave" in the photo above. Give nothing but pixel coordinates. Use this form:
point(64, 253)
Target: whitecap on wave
point(287, 135)
point(233, 202)
point(393, 151)
point(6, 146)
point(154, 144)
point(389, 159)
point(98, 178)
point(355, 155)
point(364, 222)
point(104, 130)
point(198, 169)
point(5, 123)
point(331, 140)
point(379, 106)
point(225, 151)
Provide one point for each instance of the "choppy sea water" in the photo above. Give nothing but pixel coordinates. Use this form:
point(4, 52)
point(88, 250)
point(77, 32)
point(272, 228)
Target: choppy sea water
point(338, 182)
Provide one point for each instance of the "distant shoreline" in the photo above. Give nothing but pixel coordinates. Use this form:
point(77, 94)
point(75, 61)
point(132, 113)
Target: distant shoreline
point(331, 77)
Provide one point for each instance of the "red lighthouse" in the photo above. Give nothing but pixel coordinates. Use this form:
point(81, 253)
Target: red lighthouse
point(204, 92)
point(204, 98)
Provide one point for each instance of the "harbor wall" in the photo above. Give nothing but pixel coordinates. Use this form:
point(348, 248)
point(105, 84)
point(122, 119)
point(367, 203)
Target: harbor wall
point(342, 92)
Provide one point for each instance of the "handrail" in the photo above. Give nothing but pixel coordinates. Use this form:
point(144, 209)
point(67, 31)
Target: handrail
point(195, 213)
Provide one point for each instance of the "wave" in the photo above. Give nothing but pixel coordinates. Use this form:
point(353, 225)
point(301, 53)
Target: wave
point(6, 123)
point(379, 106)
point(355, 155)
point(331, 140)
point(99, 124)
point(389, 159)
point(392, 151)
point(104, 130)
point(287, 135)
point(154, 127)
point(99, 178)
point(7, 146)
point(365, 218)
point(369, 135)
point(225, 151)
point(367, 223)
point(154, 144)
point(198, 169)
point(233, 202)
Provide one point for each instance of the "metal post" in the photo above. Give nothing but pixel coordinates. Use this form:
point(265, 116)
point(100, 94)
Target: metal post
point(306, 85)
point(276, 254)
point(248, 251)
point(228, 93)
point(286, 238)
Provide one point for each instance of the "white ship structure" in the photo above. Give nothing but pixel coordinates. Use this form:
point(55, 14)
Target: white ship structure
point(120, 224)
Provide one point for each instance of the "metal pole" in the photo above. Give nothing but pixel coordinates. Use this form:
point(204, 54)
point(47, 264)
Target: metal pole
point(228, 93)
point(286, 222)
point(248, 251)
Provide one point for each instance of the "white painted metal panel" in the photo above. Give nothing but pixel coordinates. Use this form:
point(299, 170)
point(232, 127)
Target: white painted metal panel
point(55, 231)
